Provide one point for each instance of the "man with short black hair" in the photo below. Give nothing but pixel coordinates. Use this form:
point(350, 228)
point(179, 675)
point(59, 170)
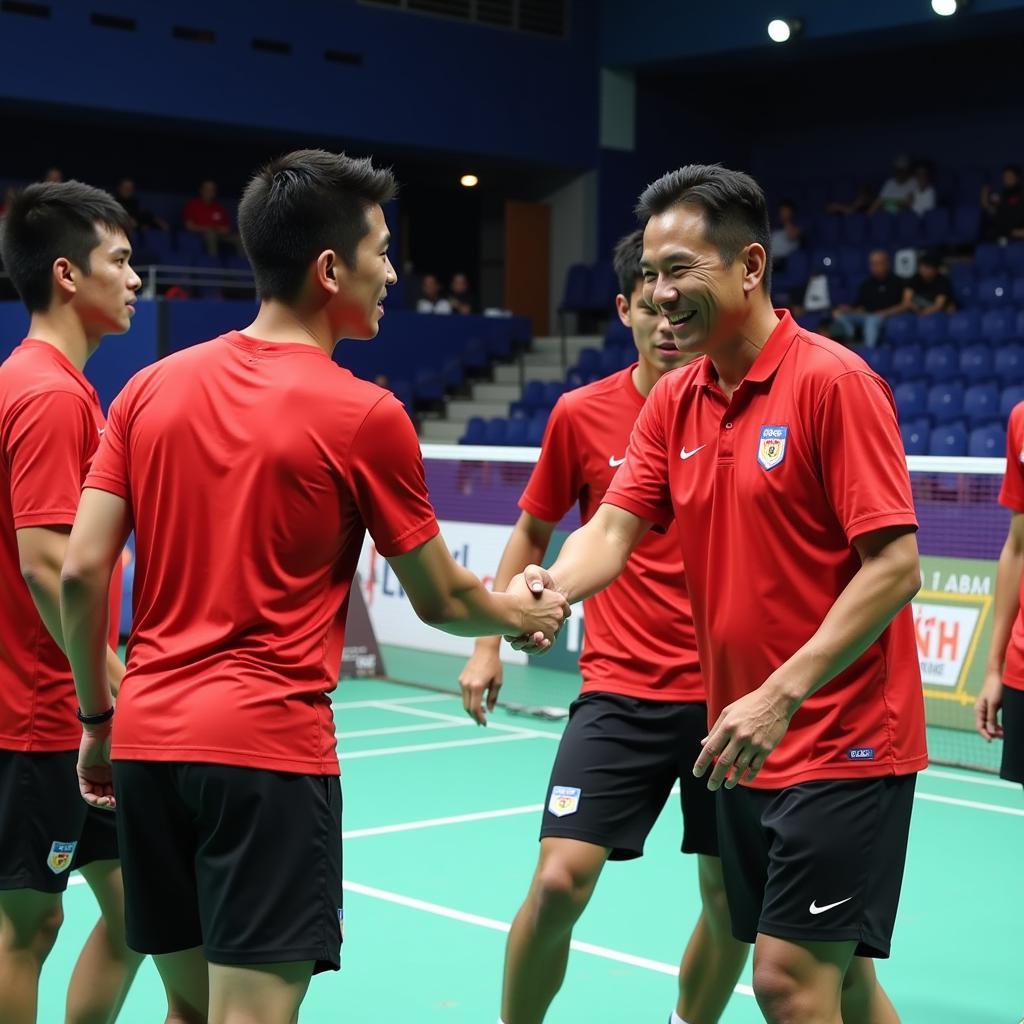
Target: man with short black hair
point(65, 246)
point(250, 468)
point(780, 456)
point(929, 290)
point(879, 297)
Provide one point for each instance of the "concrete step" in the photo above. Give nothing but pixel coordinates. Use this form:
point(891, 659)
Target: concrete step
point(463, 408)
point(544, 371)
point(496, 392)
point(506, 373)
point(442, 431)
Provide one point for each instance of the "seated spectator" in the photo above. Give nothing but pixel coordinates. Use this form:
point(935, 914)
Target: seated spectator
point(1004, 209)
point(431, 300)
point(9, 194)
point(54, 174)
point(880, 296)
point(787, 237)
point(898, 191)
point(125, 195)
point(858, 204)
point(460, 296)
point(929, 290)
point(207, 216)
point(924, 191)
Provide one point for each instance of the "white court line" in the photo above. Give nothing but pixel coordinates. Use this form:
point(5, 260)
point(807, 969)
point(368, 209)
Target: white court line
point(413, 748)
point(496, 726)
point(503, 926)
point(431, 699)
point(937, 773)
point(995, 808)
point(394, 729)
point(457, 819)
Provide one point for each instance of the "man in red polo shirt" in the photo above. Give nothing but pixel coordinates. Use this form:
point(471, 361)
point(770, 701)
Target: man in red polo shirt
point(65, 246)
point(636, 728)
point(250, 468)
point(999, 711)
point(780, 457)
point(206, 215)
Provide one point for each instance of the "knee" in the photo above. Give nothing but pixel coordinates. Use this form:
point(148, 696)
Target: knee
point(779, 994)
point(559, 893)
point(714, 901)
point(38, 933)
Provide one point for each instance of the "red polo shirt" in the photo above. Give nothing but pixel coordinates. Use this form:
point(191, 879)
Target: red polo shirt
point(50, 426)
point(769, 489)
point(203, 214)
point(1012, 496)
point(252, 471)
point(639, 638)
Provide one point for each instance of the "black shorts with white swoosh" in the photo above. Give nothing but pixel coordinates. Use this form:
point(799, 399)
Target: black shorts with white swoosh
point(817, 862)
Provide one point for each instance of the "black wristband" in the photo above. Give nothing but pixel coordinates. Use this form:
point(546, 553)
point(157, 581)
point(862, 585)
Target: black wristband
point(103, 716)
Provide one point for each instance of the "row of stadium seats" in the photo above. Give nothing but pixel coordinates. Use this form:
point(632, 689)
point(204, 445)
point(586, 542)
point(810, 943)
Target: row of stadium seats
point(515, 430)
point(953, 439)
point(948, 401)
point(972, 365)
point(965, 327)
point(935, 229)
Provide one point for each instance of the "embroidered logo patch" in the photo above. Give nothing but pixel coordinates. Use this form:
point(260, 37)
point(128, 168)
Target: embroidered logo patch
point(861, 753)
point(60, 856)
point(564, 800)
point(771, 446)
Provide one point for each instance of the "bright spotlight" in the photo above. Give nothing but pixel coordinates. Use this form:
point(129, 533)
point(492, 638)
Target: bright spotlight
point(781, 30)
point(945, 8)
point(469, 181)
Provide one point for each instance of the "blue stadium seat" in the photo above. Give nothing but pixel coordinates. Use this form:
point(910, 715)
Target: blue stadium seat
point(617, 332)
point(842, 290)
point(499, 340)
point(987, 442)
point(453, 375)
point(496, 430)
point(948, 439)
point(588, 361)
point(573, 379)
point(932, 329)
point(189, 245)
point(1017, 288)
point(964, 327)
point(535, 431)
point(901, 329)
point(1008, 364)
point(941, 362)
point(428, 386)
point(909, 230)
point(879, 359)
point(855, 229)
point(962, 278)
point(966, 220)
point(403, 391)
point(577, 288)
point(611, 359)
point(946, 402)
point(881, 229)
point(936, 227)
point(853, 262)
point(1010, 397)
point(976, 362)
point(158, 247)
point(827, 229)
point(994, 291)
point(517, 431)
point(916, 435)
point(906, 362)
point(1020, 323)
point(824, 259)
point(603, 287)
point(476, 431)
point(533, 395)
point(811, 319)
point(911, 399)
point(998, 326)
point(1013, 259)
point(553, 391)
point(988, 259)
point(981, 404)
point(474, 355)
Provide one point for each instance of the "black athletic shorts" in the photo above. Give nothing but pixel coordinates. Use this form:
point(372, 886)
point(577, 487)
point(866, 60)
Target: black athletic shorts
point(243, 862)
point(817, 862)
point(1012, 718)
point(46, 828)
point(615, 768)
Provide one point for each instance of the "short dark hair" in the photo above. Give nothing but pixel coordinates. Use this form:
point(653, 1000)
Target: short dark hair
point(626, 261)
point(47, 221)
point(301, 204)
point(734, 207)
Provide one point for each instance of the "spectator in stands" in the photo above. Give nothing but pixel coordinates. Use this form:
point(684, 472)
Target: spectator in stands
point(858, 204)
point(924, 191)
point(787, 237)
point(929, 290)
point(431, 300)
point(1003, 210)
point(205, 215)
point(9, 195)
point(141, 219)
point(880, 296)
point(461, 296)
point(54, 174)
point(898, 191)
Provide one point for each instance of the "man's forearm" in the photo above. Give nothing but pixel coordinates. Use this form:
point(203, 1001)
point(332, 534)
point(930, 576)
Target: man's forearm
point(44, 585)
point(83, 610)
point(591, 559)
point(1007, 603)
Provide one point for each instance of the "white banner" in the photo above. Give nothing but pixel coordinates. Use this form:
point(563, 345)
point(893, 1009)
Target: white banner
point(944, 635)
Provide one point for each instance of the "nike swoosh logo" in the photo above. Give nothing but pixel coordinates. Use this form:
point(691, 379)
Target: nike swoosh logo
point(815, 909)
point(684, 454)
point(613, 462)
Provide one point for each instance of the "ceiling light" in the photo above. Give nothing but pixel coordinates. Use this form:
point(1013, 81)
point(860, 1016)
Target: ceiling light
point(469, 181)
point(780, 30)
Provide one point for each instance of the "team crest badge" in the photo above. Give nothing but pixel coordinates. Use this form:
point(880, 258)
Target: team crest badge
point(60, 856)
point(771, 447)
point(564, 800)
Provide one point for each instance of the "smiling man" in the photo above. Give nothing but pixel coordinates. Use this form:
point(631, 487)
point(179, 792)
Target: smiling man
point(66, 248)
point(251, 468)
point(636, 728)
point(779, 457)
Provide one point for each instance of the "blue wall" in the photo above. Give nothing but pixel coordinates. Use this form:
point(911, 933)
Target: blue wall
point(425, 81)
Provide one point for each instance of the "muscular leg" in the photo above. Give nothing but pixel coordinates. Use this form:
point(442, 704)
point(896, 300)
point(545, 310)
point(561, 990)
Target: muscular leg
point(29, 922)
point(864, 999)
point(186, 978)
point(258, 993)
point(800, 982)
point(106, 966)
point(538, 944)
point(713, 959)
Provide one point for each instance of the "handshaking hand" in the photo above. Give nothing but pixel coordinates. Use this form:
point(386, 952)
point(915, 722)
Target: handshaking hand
point(544, 610)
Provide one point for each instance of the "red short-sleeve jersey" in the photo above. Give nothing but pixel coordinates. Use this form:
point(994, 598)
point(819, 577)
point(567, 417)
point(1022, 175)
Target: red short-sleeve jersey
point(769, 490)
point(639, 638)
point(50, 426)
point(205, 214)
point(252, 471)
point(1012, 496)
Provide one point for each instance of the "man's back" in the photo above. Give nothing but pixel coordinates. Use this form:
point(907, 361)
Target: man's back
point(248, 467)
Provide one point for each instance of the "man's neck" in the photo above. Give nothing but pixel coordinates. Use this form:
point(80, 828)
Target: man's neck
point(64, 331)
point(734, 358)
point(645, 377)
point(280, 324)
